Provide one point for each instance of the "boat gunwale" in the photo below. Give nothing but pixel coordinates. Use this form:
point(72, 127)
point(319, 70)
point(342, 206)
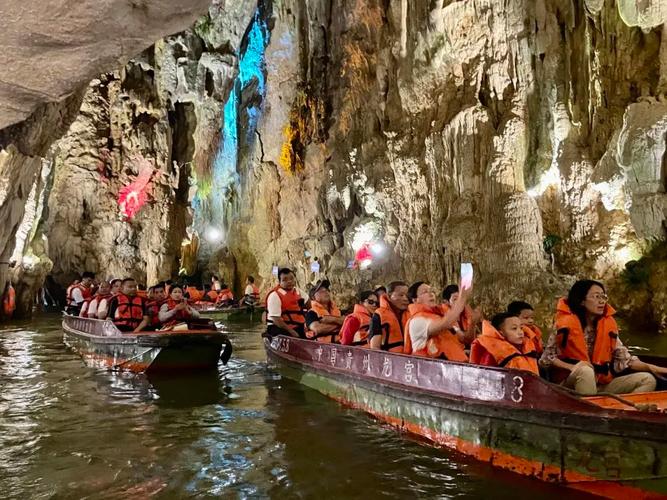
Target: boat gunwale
point(620, 422)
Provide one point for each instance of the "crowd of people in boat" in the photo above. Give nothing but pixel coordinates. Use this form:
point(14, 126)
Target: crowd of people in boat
point(133, 307)
point(583, 353)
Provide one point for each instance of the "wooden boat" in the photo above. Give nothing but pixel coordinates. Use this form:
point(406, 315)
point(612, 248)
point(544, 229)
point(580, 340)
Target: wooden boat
point(512, 419)
point(101, 344)
point(250, 313)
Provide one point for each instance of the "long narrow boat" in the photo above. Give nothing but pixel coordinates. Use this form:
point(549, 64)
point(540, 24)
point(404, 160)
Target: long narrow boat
point(250, 313)
point(102, 345)
point(512, 419)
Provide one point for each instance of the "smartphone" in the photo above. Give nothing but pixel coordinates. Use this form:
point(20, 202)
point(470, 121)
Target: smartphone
point(466, 275)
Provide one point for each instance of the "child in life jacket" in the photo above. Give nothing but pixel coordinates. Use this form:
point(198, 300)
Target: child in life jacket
point(176, 309)
point(503, 344)
point(524, 311)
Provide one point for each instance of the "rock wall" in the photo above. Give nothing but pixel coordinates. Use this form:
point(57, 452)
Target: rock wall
point(454, 131)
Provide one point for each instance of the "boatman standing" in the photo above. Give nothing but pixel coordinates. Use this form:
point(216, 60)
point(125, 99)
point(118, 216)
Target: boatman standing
point(285, 307)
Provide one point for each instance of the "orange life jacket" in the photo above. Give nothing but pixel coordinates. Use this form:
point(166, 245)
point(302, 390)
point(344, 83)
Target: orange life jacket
point(9, 302)
point(535, 334)
point(392, 328)
point(142, 293)
point(321, 311)
point(86, 305)
point(572, 343)
point(212, 295)
point(130, 311)
point(465, 319)
point(444, 345)
point(361, 336)
point(225, 295)
point(86, 293)
point(195, 295)
point(505, 354)
point(291, 311)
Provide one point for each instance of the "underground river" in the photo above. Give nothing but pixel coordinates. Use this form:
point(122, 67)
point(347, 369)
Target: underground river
point(70, 431)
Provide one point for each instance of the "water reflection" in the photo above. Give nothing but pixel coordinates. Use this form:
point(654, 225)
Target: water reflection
point(69, 431)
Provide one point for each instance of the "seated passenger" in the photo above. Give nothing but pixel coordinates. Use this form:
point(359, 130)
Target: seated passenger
point(192, 293)
point(103, 304)
point(323, 320)
point(153, 306)
point(210, 295)
point(387, 327)
point(429, 329)
point(225, 296)
point(90, 306)
point(176, 309)
point(355, 327)
point(524, 311)
point(79, 293)
point(380, 291)
point(141, 291)
point(285, 314)
point(503, 344)
point(127, 310)
point(251, 293)
point(466, 324)
point(585, 353)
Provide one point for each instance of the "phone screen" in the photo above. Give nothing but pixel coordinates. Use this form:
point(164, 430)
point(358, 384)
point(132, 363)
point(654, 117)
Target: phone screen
point(466, 275)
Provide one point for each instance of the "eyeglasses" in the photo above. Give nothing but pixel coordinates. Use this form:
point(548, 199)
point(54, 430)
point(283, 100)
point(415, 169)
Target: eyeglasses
point(371, 302)
point(600, 297)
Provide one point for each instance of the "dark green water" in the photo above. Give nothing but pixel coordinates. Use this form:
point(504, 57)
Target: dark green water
point(69, 431)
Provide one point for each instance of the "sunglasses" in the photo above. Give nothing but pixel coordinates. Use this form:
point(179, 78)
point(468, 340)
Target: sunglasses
point(371, 302)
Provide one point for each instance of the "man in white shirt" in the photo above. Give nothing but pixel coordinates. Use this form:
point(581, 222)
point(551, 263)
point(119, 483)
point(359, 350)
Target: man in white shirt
point(285, 307)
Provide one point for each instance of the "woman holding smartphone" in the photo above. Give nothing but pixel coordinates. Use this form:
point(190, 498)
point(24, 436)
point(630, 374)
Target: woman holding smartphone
point(176, 309)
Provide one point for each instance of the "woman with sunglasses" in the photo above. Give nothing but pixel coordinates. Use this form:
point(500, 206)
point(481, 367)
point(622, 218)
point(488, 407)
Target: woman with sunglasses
point(585, 353)
point(355, 327)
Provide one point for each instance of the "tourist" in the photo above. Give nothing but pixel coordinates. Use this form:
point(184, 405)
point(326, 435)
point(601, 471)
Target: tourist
point(79, 293)
point(127, 310)
point(103, 304)
point(380, 291)
point(355, 327)
point(141, 291)
point(225, 296)
point(323, 319)
point(153, 305)
point(251, 293)
point(8, 301)
point(585, 353)
point(430, 328)
point(210, 295)
point(193, 293)
point(285, 313)
point(524, 311)
point(466, 325)
point(176, 309)
point(90, 306)
point(504, 344)
point(388, 321)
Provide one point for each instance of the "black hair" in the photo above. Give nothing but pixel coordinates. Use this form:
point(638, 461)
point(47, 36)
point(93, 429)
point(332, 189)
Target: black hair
point(125, 280)
point(283, 271)
point(449, 291)
point(577, 295)
point(159, 285)
point(169, 282)
point(412, 291)
point(251, 279)
point(394, 285)
point(363, 296)
point(381, 289)
point(498, 320)
point(115, 280)
point(141, 286)
point(214, 277)
point(515, 308)
point(174, 287)
point(88, 274)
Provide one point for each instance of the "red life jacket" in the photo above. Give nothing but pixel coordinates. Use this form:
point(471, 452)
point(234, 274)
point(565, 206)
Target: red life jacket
point(572, 343)
point(225, 295)
point(180, 316)
point(153, 308)
point(86, 293)
point(444, 345)
point(364, 318)
point(130, 311)
point(9, 302)
point(86, 305)
point(321, 311)
point(291, 311)
point(506, 355)
point(255, 293)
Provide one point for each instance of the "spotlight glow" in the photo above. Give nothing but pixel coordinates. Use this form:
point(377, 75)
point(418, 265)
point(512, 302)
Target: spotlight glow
point(213, 234)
